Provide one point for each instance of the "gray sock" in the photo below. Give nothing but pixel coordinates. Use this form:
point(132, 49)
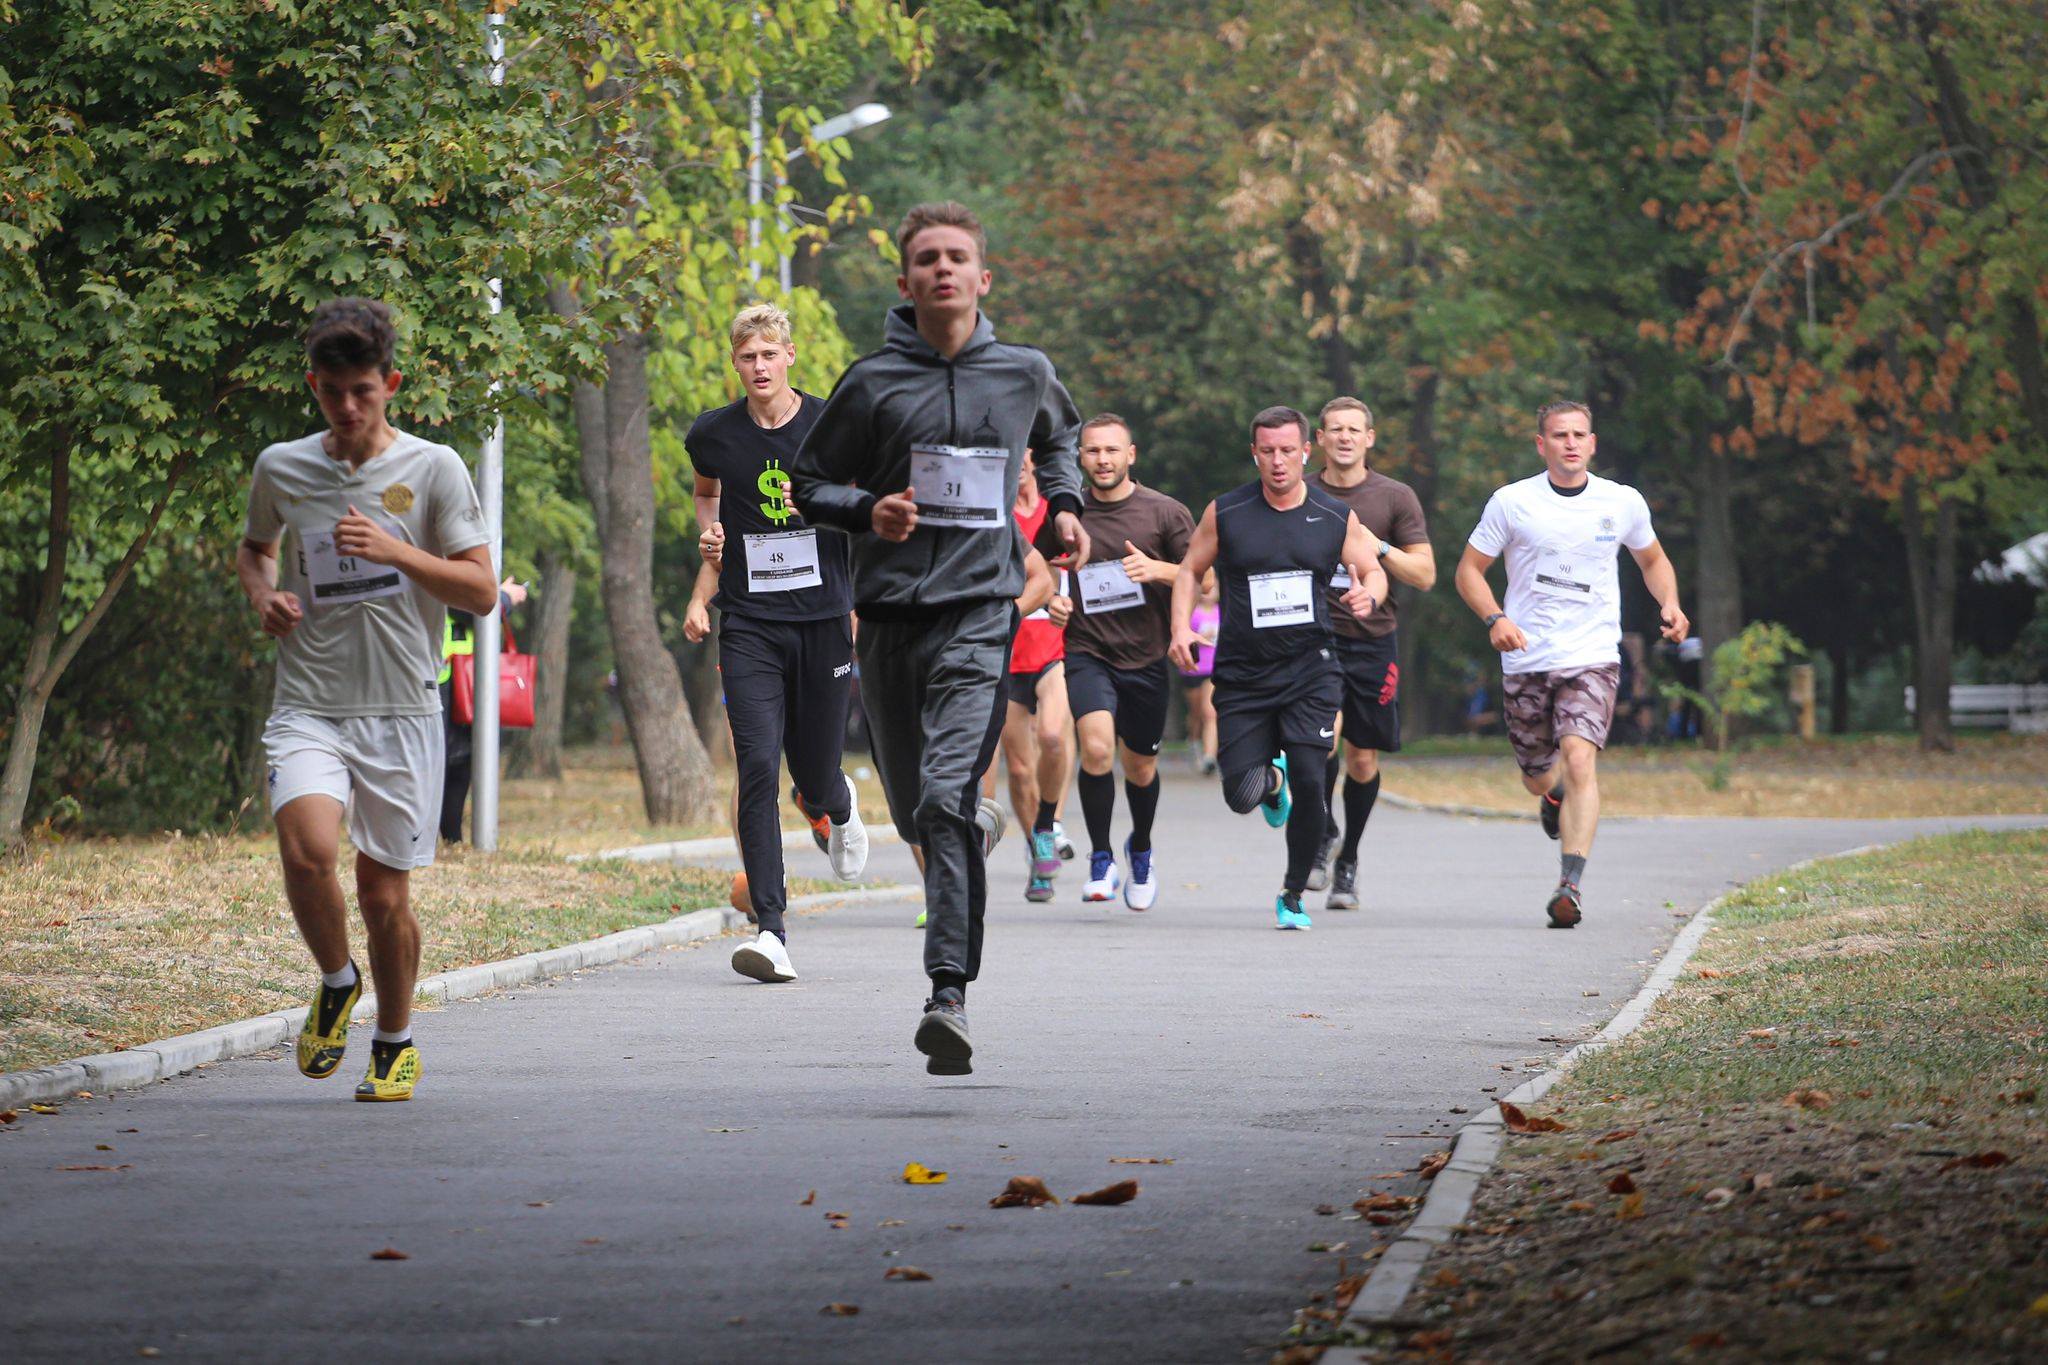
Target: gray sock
point(1574, 867)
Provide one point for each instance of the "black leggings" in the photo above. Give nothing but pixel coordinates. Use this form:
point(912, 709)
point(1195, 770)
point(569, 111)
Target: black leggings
point(1245, 788)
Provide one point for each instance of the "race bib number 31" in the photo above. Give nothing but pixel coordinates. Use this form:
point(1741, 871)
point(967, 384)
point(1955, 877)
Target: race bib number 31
point(783, 561)
point(961, 486)
point(1286, 598)
point(1105, 587)
point(338, 579)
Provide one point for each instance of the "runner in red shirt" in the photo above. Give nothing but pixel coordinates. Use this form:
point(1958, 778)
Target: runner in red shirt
point(1038, 731)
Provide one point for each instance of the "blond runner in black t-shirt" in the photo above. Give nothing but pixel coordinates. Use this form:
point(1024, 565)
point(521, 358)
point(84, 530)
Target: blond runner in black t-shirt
point(785, 636)
point(1118, 680)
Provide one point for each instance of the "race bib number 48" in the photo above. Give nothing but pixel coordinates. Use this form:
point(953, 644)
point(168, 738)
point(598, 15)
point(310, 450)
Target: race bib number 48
point(961, 486)
point(1105, 587)
point(338, 579)
point(1286, 598)
point(783, 561)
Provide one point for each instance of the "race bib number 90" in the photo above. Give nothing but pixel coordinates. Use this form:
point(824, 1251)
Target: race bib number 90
point(1286, 598)
point(961, 486)
point(337, 579)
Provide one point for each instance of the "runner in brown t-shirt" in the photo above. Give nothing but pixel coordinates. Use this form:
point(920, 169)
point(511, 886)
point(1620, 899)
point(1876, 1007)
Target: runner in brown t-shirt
point(1118, 680)
point(1366, 650)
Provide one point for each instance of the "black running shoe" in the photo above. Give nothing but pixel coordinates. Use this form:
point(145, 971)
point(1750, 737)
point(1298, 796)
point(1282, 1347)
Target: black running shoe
point(1549, 811)
point(942, 1038)
point(1343, 886)
point(1564, 906)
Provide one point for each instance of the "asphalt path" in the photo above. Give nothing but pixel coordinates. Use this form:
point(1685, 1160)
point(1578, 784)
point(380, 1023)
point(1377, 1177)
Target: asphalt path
point(620, 1165)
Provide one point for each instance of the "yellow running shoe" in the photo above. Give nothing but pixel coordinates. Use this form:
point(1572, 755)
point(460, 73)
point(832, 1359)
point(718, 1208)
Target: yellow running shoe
point(397, 1078)
point(920, 920)
point(324, 1036)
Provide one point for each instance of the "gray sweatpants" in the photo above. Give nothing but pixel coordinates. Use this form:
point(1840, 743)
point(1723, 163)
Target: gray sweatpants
point(933, 694)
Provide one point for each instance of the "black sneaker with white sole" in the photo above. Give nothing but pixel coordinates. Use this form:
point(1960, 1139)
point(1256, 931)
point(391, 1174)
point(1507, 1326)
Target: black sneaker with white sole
point(942, 1038)
point(1343, 885)
point(1319, 875)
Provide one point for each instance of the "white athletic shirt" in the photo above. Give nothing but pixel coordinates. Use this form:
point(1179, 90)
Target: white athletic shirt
point(1564, 585)
point(367, 646)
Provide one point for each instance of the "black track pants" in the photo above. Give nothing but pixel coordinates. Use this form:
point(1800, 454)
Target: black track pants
point(787, 687)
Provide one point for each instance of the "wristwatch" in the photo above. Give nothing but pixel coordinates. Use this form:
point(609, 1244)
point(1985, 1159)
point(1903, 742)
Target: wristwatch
point(1497, 616)
point(1385, 546)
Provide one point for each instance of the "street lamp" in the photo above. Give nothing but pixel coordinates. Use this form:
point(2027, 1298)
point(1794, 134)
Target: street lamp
point(839, 125)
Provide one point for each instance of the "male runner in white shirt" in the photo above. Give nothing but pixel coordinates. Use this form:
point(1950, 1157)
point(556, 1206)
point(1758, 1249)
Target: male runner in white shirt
point(1562, 532)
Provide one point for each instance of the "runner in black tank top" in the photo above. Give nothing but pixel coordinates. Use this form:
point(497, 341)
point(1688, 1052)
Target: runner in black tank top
point(1275, 544)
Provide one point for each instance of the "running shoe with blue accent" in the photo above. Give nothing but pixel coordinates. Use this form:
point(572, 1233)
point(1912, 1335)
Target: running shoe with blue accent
point(1142, 890)
point(1104, 881)
point(1038, 890)
point(1045, 855)
point(1277, 806)
point(1287, 910)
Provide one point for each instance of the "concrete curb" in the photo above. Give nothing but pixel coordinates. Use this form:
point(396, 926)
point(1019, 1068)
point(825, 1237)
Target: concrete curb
point(167, 1057)
point(719, 846)
point(1479, 1141)
point(1439, 808)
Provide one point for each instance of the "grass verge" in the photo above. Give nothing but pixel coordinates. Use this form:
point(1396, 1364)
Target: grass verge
point(1860, 777)
point(109, 943)
point(1827, 1142)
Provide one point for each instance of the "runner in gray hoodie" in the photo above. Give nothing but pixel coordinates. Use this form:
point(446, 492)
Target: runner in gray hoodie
point(920, 445)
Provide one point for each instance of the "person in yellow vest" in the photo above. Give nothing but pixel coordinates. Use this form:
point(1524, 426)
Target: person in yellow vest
point(458, 636)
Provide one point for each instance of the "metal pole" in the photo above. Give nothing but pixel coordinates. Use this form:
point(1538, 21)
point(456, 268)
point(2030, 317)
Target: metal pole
point(782, 255)
point(490, 480)
point(754, 182)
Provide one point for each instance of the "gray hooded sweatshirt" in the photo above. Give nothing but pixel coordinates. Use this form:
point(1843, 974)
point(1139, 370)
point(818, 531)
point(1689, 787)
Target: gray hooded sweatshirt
point(992, 396)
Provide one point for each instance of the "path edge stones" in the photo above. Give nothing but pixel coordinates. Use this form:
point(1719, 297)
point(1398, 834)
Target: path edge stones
point(146, 1063)
point(1478, 1145)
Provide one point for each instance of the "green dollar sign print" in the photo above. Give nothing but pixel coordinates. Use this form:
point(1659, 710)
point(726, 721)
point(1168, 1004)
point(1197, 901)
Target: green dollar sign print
point(774, 486)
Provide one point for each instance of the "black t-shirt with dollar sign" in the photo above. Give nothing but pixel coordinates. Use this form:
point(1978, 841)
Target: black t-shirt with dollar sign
point(777, 566)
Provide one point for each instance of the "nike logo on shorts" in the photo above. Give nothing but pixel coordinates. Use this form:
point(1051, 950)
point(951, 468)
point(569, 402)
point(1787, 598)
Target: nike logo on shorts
point(1327, 734)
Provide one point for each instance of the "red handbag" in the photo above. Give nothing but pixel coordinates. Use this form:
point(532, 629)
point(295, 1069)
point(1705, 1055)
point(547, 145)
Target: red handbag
point(515, 686)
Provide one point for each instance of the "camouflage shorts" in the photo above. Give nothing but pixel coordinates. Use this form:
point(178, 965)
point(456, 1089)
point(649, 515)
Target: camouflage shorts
point(1542, 708)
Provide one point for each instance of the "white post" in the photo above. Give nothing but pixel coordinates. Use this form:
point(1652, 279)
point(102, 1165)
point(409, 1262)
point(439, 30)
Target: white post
point(754, 181)
point(490, 481)
point(781, 256)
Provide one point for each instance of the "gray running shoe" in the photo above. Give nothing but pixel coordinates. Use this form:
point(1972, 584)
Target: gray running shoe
point(1319, 875)
point(990, 820)
point(1343, 886)
point(942, 1038)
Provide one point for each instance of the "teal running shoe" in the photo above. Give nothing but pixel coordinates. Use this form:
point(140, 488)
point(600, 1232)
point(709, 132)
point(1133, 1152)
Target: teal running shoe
point(1276, 807)
point(1287, 910)
point(1038, 890)
point(1044, 854)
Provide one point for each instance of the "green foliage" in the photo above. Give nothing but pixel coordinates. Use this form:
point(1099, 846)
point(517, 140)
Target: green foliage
point(1748, 682)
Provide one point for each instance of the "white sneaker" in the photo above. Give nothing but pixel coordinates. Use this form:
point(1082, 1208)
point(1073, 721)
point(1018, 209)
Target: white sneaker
point(765, 958)
point(848, 845)
point(1061, 844)
point(1104, 881)
point(1141, 892)
point(989, 823)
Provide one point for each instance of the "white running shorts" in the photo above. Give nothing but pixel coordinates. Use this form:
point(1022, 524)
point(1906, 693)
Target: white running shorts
point(385, 769)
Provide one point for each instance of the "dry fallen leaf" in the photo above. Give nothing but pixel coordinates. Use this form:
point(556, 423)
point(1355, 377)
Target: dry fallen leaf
point(2039, 1307)
point(1817, 1193)
point(1581, 1206)
point(1446, 1278)
point(807, 1200)
point(539, 1203)
point(1631, 1206)
point(1141, 1161)
point(1386, 1202)
point(1761, 1033)
point(390, 1254)
point(1762, 1180)
point(1820, 1222)
point(1810, 1099)
point(1519, 1122)
point(840, 1310)
point(1622, 1183)
point(1616, 1136)
point(8, 1116)
point(890, 1223)
point(1433, 1163)
point(917, 1173)
point(43, 1108)
point(1123, 1192)
point(1980, 1160)
point(1023, 1192)
point(1706, 1341)
point(1877, 1242)
point(124, 1166)
point(1718, 1196)
point(1711, 972)
point(905, 1272)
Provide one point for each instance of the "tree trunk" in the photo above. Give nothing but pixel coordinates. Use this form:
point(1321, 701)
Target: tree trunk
point(618, 477)
point(539, 752)
point(1931, 568)
point(50, 650)
point(1720, 576)
point(1421, 471)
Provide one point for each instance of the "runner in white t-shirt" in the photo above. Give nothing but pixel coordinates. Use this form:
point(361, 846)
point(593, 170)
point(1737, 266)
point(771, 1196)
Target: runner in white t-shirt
point(1562, 532)
point(380, 533)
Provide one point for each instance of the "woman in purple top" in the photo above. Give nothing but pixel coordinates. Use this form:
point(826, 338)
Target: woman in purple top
point(1201, 704)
